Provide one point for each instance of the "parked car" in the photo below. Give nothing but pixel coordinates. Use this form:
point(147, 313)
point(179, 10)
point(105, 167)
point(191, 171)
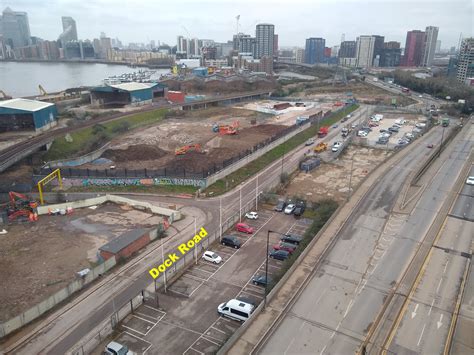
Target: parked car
point(279, 254)
point(420, 125)
point(362, 133)
point(336, 146)
point(382, 141)
point(236, 309)
point(212, 257)
point(430, 145)
point(251, 215)
point(409, 135)
point(300, 208)
point(261, 280)
point(280, 206)
point(231, 241)
point(244, 228)
point(114, 348)
point(292, 238)
point(354, 125)
point(290, 208)
point(470, 180)
point(310, 141)
point(394, 129)
point(290, 248)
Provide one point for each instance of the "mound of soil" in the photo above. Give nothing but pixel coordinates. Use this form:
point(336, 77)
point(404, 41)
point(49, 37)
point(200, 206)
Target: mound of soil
point(134, 152)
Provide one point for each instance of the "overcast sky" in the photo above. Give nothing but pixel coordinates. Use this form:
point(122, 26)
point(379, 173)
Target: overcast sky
point(294, 20)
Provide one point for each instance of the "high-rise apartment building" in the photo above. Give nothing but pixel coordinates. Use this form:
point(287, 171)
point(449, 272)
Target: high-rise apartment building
point(275, 46)
point(265, 36)
point(414, 48)
point(438, 46)
point(429, 45)
point(465, 65)
point(15, 28)
point(300, 55)
point(69, 30)
point(365, 51)
point(348, 49)
point(314, 50)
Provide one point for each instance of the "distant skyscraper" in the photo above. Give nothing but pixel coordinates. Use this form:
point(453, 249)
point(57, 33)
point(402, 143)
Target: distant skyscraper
point(15, 28)
point(438, 46)
point(348, 49)
point(429, 46)
point(300, 55)
point(265, 34)
point(365, 46)
point(465, 65)
point(314, 50)
point(275, 45)
point(69, 30)
point(414, 48)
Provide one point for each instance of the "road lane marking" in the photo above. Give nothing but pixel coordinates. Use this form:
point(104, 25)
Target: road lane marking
point(413, 314)
point(431, 307)
point(421, 335)
point(439, 285)
point(440, 323)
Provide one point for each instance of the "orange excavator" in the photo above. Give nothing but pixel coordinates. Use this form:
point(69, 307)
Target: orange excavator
point(226, 129)
point(187, 148)
point(21, 205)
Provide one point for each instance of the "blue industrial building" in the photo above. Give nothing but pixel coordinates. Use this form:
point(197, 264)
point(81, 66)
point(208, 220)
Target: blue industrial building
point(22, 114)
point(201, 71)
point(134, 94)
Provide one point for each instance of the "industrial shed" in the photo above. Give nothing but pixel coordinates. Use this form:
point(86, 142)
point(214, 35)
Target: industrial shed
point(134, 94)
point(27, 115)
point(126, 244)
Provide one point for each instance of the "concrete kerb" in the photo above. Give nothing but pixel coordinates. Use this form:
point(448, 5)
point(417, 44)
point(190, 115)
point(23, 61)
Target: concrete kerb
point(375, 176)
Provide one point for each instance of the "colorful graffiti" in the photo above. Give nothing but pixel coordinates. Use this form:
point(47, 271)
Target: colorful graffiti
point(134, 182)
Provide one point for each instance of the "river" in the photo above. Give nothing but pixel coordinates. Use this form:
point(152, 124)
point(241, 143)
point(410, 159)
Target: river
point(22, 79)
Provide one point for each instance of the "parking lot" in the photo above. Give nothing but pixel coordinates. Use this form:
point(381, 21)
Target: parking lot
point(187, 321)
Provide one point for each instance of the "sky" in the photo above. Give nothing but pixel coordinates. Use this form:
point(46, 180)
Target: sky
point(294, 20)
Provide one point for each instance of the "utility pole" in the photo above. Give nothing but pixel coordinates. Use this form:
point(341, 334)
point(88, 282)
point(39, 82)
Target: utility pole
point(163, 260)
point(240, 204)
point(256, 195)
point(220, 218)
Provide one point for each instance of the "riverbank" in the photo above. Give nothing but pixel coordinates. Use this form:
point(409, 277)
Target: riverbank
point(92, 61)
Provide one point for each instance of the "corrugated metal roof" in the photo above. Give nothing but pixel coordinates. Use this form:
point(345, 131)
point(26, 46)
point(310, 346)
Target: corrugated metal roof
point(122, 241)
point(25, 104)
point(132, 86)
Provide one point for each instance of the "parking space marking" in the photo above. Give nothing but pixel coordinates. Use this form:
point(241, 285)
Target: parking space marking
point(134, 330)
point(134, 336)
point(209, 272)
point(194, 277)
point(143, 319)
point(199, 352)
point(202, 335)
point(179, 293)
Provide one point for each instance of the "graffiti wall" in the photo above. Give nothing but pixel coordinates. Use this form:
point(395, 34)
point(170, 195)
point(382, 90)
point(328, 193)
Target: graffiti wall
point(133, 181)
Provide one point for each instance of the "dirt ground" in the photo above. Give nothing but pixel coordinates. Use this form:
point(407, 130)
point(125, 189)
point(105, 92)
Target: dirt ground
point(153, 147)
point(38, 259)
point(331, 180)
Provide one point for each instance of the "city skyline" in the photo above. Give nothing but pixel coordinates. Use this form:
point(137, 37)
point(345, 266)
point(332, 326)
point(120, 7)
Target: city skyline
point(216, 20)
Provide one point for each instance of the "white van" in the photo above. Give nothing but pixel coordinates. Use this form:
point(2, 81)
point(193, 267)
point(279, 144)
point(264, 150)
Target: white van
point(236, 309)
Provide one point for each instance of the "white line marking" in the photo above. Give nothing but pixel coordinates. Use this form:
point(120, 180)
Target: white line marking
point(421, 335)
point(439, 285)
point(431, 307)
point(143, 319)
point(132, 329)
point(445, 266)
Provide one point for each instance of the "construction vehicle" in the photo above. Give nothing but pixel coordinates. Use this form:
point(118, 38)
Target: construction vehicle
point(321, 147)
point(42, 91)
point(323, 131)
point(21, 205)
point(188, 148)
point(226, 129)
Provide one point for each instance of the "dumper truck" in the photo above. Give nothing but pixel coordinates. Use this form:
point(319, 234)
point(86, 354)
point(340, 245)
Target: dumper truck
point(321, 147)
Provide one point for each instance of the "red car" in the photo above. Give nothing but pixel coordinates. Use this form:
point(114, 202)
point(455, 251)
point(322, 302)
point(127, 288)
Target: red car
point(290, 248)
point(244, 228)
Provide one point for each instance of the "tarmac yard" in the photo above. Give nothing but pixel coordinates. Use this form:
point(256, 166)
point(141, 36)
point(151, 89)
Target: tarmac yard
point(187, 321)
point(40, 258)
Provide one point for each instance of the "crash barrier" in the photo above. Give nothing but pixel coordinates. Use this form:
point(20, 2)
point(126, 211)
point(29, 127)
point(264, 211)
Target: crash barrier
point(34, 312)
point(87, 158)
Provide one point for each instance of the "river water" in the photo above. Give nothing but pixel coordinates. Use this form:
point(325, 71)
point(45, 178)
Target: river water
point(22, 79)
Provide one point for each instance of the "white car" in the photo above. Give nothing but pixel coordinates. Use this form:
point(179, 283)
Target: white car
point(384, 135)
point(290, 208)
point(114, 348)
point(251, 215)
point(336, 146)
point(470, 180)
point(362, 133)
point(310, 141)
point(420, 125)
point(212, 257)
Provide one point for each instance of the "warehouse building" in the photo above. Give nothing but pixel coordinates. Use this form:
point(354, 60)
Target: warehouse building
point(119, 95)
point(27, 115)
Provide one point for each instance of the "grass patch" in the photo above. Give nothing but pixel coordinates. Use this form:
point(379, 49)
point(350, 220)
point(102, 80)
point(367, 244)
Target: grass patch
point(88, 139)
point(234, 179)
point(321, 215)
point(173, 189)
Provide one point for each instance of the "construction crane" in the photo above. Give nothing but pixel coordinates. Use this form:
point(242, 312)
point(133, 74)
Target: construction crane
point(42, 91)
point(187, 148)
point(4, 96)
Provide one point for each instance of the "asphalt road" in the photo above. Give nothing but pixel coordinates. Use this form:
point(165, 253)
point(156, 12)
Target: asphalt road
point(65, 327)
point(427, 317)
point(336, 309)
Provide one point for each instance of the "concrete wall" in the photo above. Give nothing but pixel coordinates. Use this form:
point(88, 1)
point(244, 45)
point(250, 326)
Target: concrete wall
point(79, 160)
point(237, 165)
point(44, 306)
point(172, 214)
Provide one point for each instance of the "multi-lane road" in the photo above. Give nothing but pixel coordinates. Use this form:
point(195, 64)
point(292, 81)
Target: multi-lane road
point(340, 302)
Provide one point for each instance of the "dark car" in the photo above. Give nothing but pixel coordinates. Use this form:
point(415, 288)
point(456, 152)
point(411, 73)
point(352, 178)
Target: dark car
point(261, 280)
point(289, 247)
point(231, 241)
point(393, 129)
point(280, 206)
point(292, 238)
point(298, 211)
point(279, 254)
